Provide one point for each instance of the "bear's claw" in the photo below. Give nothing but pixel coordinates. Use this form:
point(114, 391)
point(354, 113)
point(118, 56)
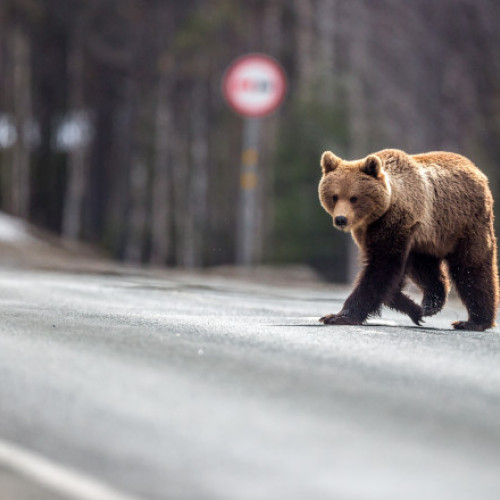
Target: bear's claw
point(339, 319)
point(417, 320)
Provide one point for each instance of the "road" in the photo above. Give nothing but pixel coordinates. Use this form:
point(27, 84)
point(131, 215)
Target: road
point(189, 387)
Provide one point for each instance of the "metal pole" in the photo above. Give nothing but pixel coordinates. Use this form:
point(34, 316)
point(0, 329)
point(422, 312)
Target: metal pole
point(247, 215)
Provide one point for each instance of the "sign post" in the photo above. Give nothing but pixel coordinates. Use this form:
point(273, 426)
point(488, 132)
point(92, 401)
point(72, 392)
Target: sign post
point(254, 86)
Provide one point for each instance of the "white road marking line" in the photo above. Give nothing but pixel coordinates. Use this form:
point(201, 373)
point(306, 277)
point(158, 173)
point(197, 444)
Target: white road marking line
point(56, 477)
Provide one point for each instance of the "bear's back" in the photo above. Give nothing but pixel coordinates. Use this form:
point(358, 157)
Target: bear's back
point(445, 193)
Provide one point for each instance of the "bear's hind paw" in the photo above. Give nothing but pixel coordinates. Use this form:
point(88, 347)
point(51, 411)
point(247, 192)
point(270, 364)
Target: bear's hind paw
point(468, 325)
point(339, 319)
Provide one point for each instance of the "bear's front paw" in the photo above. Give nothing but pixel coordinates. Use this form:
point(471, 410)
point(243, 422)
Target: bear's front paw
point(339, 319)
point(417, 316)
point(468, 325)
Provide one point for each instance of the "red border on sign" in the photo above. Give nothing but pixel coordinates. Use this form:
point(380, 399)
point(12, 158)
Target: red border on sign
point(273, 105)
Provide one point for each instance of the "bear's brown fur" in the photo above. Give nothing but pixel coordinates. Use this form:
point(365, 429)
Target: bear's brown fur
point(423, 217)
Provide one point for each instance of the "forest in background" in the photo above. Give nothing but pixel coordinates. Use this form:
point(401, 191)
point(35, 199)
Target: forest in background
point(114, 131)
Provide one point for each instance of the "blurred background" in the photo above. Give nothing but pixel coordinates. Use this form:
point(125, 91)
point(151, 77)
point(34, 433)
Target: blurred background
point(114, 131)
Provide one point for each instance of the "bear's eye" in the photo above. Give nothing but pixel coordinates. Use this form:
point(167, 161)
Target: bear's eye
point(353, 199)
point(335, 198)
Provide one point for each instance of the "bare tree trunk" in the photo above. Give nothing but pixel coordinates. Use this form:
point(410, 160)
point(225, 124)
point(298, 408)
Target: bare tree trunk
point(138, 213)
point(182, 216)
point(305, 46)
point(139, 176)
point(164, 136)
point(161, 190)
point(325, 58)
point(78, 156)
point(6, 100)
point(22, 117)
point(119, 197)
point(273, 32)
point(272, 29)
point(198, 181)
point(356, 91)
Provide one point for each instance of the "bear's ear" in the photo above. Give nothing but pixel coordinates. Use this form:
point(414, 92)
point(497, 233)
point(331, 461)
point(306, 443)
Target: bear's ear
point(372, 166)
point(329, 162)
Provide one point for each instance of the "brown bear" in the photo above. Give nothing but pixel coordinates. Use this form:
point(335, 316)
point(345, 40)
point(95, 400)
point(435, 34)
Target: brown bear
point(424, 217)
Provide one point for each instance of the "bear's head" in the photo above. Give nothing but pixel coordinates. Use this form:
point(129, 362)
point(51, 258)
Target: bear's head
point(354, 193)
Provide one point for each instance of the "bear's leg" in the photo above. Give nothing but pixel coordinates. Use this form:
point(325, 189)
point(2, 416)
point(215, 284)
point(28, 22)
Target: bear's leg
point(377, 282)
point(428, 273)
point(402, 303)
point(474, 272)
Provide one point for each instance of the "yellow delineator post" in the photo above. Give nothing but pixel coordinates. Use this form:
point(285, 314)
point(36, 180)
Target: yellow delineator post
point(247, 210)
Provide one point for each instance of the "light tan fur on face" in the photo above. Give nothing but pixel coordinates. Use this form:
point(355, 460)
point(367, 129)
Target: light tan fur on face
point(361, 196)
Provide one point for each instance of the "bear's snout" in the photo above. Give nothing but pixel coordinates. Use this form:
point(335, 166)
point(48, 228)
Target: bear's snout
point(340, 221)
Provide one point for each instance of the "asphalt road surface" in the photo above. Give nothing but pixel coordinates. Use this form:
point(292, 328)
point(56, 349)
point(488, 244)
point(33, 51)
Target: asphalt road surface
point(183, 387)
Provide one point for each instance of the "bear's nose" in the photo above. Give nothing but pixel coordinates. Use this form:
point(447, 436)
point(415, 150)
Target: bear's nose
point(340, 221)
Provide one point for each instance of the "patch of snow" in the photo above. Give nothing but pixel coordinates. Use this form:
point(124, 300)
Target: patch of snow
point(13, 229)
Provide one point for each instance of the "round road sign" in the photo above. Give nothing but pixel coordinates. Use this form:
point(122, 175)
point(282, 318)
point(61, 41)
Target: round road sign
point(254, 85)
